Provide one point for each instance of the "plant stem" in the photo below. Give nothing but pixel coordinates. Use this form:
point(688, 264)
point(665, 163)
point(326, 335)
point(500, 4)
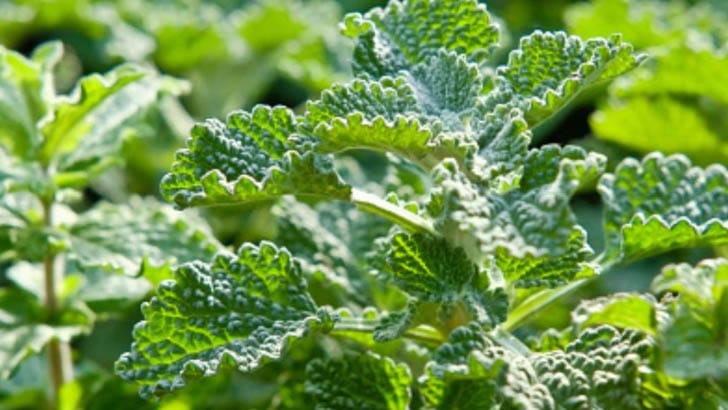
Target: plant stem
point(537, 302)
point(423, 334)
point(407, 220)
point(59, 357)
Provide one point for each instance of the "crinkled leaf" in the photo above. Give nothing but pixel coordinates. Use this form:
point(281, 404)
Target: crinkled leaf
point(366, 381)
point(663, 203)
point(528, 228)
point(418, 116)
point(407, 33)
point(549, 69)
point(248, 158)
point(121, 237)
point(473, 372)
point(239, 311)
point(601, 369)
point(83, 128)
point(331, 240)
point(695, 344)
point(431, 270)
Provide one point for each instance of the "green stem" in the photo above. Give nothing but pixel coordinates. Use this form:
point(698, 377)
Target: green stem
point(377, 206)
point(537, 302)
point(423, 334)
point(59, 357)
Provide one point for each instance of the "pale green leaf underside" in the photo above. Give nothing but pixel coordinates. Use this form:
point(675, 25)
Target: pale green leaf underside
point(366, 382)
point(663, 203)
point(694, 336)
point(121, 237)
point(662, 124)
point(248, 158)
point(407, 33)
point(549, 69)
point(238, 312)
point(642, 23)
point(621, 310)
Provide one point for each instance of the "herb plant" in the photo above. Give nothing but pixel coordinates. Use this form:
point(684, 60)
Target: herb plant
point(69, 265)
point(409, 287)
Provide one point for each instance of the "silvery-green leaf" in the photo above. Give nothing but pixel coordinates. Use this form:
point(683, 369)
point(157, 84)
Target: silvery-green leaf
point(663, 203)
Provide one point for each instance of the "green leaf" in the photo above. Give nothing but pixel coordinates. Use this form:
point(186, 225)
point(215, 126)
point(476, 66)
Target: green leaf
point(249, 158)
point(119, 238)
point(642, 23)
point(665, 74)
point(240, 311)
point(472, 372)
point(366, 381)
point(621, 310)
point(431, 270)
point(83, 128)
point(695, 345)
point(663, 203)
point(22, 331)
point(550, 69)
point(663, 124)
point(601, 369)
point(529, 230)
point(26, 90)
point(419, 117)
point(407, 33)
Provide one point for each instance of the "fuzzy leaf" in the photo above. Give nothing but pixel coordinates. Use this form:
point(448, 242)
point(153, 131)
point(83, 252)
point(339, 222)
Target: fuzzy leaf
point(470, 371)
point(695, 343)
point(246, 159)
point(431, 270)
point(240, 311)
point(550, 69)
point(418, 116)
point(663, 203)
point(121, 237)
point(601, 369)
point(367, 382)
point(407, 33)
point(528, 228)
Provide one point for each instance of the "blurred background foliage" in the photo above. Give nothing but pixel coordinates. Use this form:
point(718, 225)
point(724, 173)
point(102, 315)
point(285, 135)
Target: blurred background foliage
point(236, 53)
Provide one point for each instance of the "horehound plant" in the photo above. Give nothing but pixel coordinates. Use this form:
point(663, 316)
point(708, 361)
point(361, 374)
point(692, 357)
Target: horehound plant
point(405, 291)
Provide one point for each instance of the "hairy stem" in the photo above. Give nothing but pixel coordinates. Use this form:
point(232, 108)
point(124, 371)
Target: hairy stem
point(423, 334)
point(59, 357)
point(537, 302)
point(407, 220)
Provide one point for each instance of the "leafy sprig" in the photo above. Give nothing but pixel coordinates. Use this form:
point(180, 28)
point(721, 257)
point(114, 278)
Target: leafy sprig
point(491, 241)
